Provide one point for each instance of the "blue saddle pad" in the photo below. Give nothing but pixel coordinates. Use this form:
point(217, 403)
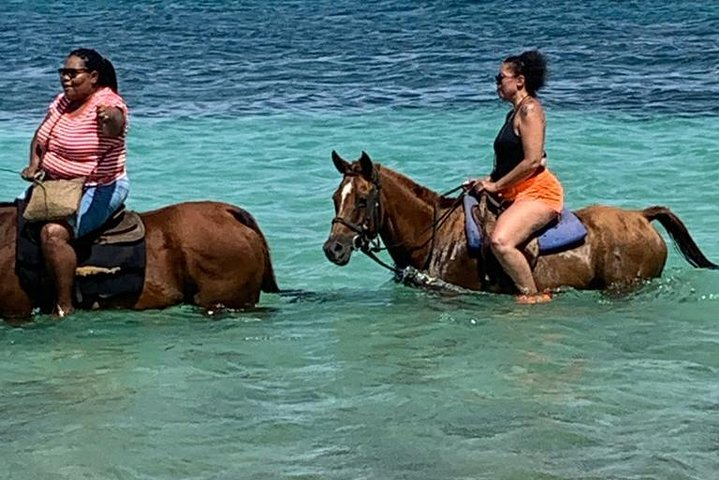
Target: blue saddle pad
point(566, 232)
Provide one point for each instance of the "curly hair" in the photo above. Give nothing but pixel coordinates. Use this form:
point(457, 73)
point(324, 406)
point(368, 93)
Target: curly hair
point(533, 66)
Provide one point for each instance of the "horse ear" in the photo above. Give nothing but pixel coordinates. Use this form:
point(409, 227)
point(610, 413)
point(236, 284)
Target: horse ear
point(341, 165)
point(366, 164)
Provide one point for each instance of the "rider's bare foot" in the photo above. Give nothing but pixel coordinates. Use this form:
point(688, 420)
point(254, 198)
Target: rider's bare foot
point(61, 312)
point(534, 298)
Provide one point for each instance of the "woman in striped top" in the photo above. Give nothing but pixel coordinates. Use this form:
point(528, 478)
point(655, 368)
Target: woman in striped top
point(82, 135)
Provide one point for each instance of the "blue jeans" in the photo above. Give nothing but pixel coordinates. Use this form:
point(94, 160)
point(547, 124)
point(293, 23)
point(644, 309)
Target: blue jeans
point(97, 205)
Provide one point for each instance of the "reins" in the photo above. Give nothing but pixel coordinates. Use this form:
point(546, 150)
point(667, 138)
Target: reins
point(368, 242)
point(436, 223)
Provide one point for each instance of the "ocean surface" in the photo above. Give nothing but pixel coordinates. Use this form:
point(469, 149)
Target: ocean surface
point(359, 377)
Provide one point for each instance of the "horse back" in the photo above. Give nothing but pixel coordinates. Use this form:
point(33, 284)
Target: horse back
point(197, 247)
point(193, 224)
point(617, 228)
point(621, 247)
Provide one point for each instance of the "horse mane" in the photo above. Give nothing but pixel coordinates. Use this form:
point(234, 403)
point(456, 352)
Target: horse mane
point(423, 193)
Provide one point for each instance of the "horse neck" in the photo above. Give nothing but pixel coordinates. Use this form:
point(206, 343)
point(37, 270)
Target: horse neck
point(408, 213)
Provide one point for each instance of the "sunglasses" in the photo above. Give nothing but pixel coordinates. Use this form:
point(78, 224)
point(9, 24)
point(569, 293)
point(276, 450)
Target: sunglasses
point(500, 76)
point(71, 73)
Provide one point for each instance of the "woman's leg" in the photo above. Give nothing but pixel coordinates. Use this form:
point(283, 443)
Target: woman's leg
point(514, 226)
point(97, 206)
point(61, 261)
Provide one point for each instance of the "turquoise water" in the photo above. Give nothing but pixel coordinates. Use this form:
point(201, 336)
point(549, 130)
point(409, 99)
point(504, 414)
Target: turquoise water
point(361, 378)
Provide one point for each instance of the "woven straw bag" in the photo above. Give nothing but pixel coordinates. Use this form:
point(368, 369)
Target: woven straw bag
point(53, 200)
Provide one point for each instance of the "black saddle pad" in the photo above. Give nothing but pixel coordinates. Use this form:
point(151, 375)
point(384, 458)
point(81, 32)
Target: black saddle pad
point(106, 269)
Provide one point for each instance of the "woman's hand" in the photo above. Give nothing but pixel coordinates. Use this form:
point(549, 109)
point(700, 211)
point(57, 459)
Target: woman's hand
point(486, 185)
point(476, 185)
point(110, 120)
point(31, 172)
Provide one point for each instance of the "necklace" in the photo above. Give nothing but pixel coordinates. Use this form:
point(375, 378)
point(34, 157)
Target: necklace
point(519, 103)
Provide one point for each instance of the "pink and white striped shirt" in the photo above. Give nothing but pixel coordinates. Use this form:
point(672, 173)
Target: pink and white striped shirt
point(74, 144)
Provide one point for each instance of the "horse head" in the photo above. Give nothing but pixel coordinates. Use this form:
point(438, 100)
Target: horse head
point(357, 208)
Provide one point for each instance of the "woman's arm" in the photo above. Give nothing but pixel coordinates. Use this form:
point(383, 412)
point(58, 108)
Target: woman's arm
point(531, 129)
point(111, 120)
point(36, 152)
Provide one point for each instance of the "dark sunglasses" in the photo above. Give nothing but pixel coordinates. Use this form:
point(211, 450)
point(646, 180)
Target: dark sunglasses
point(500, 76)
point(71, 72)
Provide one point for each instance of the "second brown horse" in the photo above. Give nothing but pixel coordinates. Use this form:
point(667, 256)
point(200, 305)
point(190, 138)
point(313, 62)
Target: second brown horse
point(621, 248)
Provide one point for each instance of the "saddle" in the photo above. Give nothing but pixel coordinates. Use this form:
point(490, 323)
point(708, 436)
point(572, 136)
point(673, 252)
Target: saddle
point(111, 261)
point(562, 234)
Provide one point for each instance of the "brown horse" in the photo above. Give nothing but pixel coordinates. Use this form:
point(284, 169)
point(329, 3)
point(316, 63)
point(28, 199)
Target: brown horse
point(200, 253)
point(426, 231)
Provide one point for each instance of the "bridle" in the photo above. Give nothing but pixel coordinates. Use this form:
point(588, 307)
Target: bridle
point(366, 237)
point(366, 233)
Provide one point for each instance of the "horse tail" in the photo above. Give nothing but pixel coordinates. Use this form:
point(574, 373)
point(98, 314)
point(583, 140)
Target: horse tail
point(680, 235)
point(269, 283)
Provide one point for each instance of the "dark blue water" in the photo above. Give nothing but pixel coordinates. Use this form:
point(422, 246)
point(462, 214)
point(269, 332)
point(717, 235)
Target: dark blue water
point(229, 58)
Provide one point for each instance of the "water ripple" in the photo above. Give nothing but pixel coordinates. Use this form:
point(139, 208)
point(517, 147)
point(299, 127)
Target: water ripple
point(206, 59)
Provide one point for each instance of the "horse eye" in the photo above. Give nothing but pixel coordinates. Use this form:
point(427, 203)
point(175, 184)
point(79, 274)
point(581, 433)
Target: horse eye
point(362, 202)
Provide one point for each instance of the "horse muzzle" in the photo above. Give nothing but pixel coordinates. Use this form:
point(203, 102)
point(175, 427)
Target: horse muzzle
point(338, 251)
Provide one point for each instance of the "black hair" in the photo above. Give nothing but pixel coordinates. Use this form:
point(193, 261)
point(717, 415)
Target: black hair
point(95, 62)
point(533, 66)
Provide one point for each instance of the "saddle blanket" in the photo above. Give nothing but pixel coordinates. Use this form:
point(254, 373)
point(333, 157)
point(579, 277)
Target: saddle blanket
point(563, 234)
point(111, 262)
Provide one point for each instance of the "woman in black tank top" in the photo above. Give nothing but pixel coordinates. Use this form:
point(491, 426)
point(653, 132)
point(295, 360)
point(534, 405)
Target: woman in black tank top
point(519, 156)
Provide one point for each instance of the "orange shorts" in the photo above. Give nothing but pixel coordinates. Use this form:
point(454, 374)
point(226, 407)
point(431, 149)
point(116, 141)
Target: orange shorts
point(543, 186)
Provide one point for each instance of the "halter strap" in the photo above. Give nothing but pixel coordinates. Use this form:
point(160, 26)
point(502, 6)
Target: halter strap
point(367, 241)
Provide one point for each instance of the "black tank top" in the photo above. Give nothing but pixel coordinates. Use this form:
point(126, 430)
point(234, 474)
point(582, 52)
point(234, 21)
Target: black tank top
point(508, 150)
